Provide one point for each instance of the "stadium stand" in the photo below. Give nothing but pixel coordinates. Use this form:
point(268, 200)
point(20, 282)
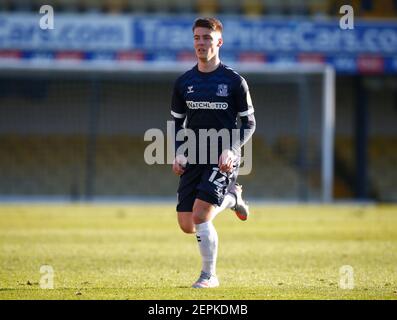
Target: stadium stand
point(382, 152)
point(268, 166)
point(274, 8)
point(69, 6)
point(158, 6)
point(45, 140)
point(249, 8)
point(181, 6)
point(108, 6)
point(383, 173)
point(297, 8)
point(378, 9)
point(41, 165)
point(229, 6)
point(252, 7)
point(137, 6)
point(56, 165)
point(207, 7)
point(47, 148)
point(318, 8)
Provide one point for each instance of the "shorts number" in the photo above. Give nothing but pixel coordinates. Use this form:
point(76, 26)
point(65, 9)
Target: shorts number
point(217, 182)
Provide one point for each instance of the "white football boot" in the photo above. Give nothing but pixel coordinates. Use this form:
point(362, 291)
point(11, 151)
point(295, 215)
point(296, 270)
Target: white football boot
point(206, 281)
point(241, 208)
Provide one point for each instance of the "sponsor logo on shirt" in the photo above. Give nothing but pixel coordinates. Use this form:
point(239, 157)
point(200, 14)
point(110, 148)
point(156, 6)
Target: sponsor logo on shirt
point(207, 105)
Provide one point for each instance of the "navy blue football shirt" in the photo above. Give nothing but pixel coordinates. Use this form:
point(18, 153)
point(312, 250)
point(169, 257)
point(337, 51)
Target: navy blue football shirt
point(213, 100)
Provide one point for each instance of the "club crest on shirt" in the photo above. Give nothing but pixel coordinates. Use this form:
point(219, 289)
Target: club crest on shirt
point(222, 90)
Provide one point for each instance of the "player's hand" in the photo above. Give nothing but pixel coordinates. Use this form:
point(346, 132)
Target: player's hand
point(179, 164)
point(226, 161)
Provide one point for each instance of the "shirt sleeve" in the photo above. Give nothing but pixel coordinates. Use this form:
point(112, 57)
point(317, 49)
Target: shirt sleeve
point(243, 100)
point(178, 105)
point(245, 110)
point(247, 129)
point(178, 112)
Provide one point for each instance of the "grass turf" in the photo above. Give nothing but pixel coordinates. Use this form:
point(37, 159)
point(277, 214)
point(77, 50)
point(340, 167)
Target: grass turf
point(138, 252)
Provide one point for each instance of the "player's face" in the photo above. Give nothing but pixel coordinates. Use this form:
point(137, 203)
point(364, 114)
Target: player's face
point(206, 43)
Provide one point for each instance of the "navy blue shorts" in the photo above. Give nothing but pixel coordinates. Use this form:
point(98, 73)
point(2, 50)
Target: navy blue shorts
point(204, 182)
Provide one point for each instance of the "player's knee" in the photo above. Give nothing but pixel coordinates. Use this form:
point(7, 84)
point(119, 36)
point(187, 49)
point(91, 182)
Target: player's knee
point(185, 222)
point(187, 228)
point(202, 211)
point(199, 218)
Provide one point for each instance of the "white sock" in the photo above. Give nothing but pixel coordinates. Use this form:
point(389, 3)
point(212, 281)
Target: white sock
point(207, 238)
point(229, 201)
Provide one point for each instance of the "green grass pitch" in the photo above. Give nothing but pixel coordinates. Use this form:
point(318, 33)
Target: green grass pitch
point(138, 252)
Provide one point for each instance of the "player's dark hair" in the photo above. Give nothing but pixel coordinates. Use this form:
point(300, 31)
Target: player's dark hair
point(210, 23)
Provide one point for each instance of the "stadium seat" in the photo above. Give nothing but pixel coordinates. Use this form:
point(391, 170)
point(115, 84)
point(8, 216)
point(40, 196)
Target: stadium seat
point(5, 6)
point(115, 6)
point(275, 7)
point(230, 6)
point(137, 6)
point(382, 160)
point(344, 150)
point(35, 5)
point(56, 4)
point(378, 9)
point(319, 8)
point(206, 7)
point(56, 165)
point(181, 6)
point(41, 164)
point(290, 148)
point(252, 7)
point(272, 175)
point(70, 5)
point(158, 6)
point(342, 189)
point(21, 5)
point(92, 5)
point(121, 156)
point(335, 6)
